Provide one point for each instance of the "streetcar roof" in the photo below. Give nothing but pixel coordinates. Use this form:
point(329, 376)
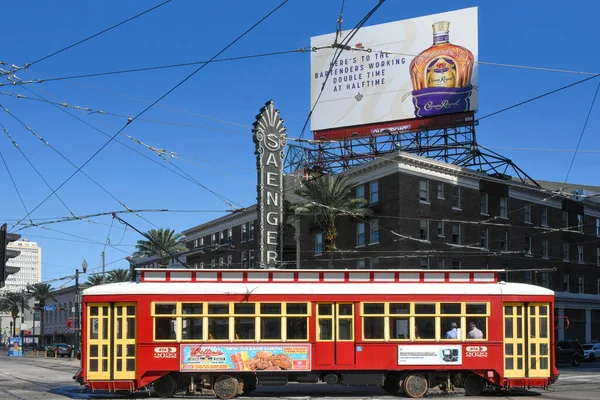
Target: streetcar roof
point(253, 288)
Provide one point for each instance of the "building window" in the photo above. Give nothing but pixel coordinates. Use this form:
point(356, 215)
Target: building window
point(503, 207)
point(213, 263)
point(440, 229)
point(580, 222)
point(456, 239)
point(251, 230)
point(318, 244)
point(527, 245)
point(221, 236)
point(528, 277)
point(440, 190)
point(566, 282)
point(196, 243)
point(484, 238)
point(229, 260)
point(456, 264)
point(484, 203)
point(244, 260)
point(201, 265)
point(374, 192)
point(580, 253)
point(504, 242)
point(424, 262)
point(565, 219)
point(456, 197)
point(598, 256)
point(545, 247)
point(229, 234)
point(424, 190)
point(597, 226)
point(221, 262)
point(360, 264)
point(565, 251)
point(360, 192)
point(244, 232)
point(374, 263)
point(213, 238)
point(251, 258)
point(441, 263)
point(360, 234)
point(581, 283)
point(544, 221)
point(528, 213)
point(544, 278)
point(374, 231)
point(424, 229)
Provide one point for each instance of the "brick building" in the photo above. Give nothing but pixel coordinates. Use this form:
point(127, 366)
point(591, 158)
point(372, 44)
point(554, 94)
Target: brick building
point(430, 214)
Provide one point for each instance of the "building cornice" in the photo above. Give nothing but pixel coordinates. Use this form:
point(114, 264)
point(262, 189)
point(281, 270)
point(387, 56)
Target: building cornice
point(230, 220)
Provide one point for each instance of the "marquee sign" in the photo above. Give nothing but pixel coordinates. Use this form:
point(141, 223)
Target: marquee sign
point(270, 138)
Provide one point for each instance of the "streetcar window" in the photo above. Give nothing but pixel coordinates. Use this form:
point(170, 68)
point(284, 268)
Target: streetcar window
point(399, 328)
point(325, 329)
point(424, 308)
point(297, 328)
point(296, 308)
point(191, 328)
point(218, 328)
point(374, 327)
point(345, 309)
point(374, 308)
point(424, 327)
point(451, 328)
point(216, 309)
point(325, 309)
point(399, 308)
point(244, 328)
point(450, 308)
point(345, 331)
point(477, 308)
point(270, 308)
point(165, 309)
point(270, 328)
point(94, 310)
point(244, 308)
point(164, 328)
point(192, 308)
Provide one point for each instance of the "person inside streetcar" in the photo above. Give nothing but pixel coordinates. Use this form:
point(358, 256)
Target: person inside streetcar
point(453, 332)
point(474, 332)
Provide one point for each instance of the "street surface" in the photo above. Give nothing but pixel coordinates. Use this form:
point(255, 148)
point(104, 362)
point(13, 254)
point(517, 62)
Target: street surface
point(30, 378)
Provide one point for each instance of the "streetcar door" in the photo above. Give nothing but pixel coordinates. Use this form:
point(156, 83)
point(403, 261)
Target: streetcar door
point(514, 340)
point(335, 334)
point(110, 341)
point(539, 340)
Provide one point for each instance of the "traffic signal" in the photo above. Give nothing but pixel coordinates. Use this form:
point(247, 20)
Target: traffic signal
point(6, 254)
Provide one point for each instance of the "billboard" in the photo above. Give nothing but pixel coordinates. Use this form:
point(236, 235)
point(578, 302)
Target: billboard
point(416, 68)
point(429, 355)
point(278, 357)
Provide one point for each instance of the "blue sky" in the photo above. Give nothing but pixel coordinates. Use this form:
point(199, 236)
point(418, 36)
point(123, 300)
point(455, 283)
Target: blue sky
point(218, 151)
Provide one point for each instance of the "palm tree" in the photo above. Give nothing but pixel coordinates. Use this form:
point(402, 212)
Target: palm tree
point(119, 275)
point(41, 293)
point(12, 302)
point(329, 198)
point(163, 242)
point(93, 280)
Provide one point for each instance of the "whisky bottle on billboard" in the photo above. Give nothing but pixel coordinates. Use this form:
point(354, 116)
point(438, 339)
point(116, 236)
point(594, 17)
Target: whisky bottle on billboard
point(441, 76)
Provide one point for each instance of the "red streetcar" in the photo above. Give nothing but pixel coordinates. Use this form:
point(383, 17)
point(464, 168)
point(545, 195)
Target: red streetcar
point(224, 332)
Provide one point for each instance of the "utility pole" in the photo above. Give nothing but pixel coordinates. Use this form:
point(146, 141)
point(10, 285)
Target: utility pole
point(22, 318)
point(77, 324)
point(103, 277)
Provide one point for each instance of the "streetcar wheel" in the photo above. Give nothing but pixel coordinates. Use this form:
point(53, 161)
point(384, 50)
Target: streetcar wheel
point(415, 386)
point(473, 385)
point(225, 387)
point(165, 386)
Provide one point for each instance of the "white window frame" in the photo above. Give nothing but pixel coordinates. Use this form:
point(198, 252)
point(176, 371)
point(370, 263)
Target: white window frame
point(484, 238)
point(441, 232)
point(527, 216)
point(373, 192)
point(580, 223)
point(565, 219)
point(244, 233)
point(424, 191)
point(566, 251)
point(580, 253)
point(544, 216)
point(221, 262)
point(318, 243)
point(424, 225)
point(484, 203)
point(229, 260)
point(581, 284)
point(373, 228)
point(440, 190)
point(359, 233)
point(503, 207)
point(456, 198)
point(528, 244)
point(545, 248)
point(459, 241)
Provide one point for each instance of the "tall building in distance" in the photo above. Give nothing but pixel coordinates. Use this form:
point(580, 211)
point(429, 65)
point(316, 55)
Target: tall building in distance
point(30, 264)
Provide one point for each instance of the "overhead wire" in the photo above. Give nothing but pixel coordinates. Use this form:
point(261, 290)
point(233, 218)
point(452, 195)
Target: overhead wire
point(13, 182)
point(158, 100)
point(97, 34)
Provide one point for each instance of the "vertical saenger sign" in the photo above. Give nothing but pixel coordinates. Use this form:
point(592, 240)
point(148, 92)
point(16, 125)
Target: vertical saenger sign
point(270, 139)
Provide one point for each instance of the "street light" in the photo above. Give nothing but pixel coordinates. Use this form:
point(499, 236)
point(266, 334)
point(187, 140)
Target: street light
point(77, 324)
